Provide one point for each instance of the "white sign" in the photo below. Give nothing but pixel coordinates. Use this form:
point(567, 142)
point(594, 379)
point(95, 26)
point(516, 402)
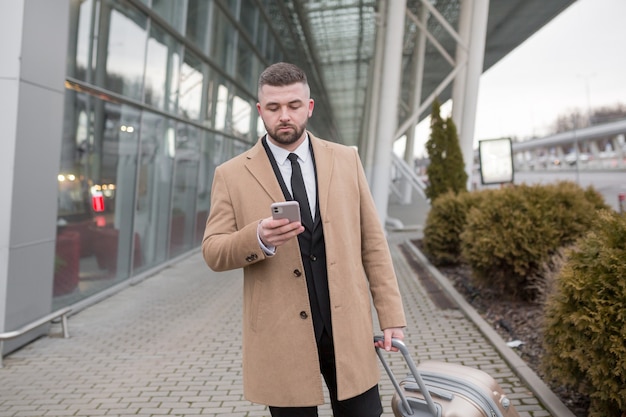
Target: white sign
point(496, 161)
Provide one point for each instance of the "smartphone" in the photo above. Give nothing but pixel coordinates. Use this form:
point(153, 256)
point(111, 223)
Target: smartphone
point(286, 210)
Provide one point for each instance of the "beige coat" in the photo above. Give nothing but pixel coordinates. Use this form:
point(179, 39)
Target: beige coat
point(280, 364)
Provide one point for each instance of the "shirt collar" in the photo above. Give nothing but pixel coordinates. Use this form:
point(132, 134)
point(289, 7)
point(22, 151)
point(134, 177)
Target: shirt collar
point(281, 154)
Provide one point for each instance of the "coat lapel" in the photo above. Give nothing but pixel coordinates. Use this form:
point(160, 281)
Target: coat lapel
point(324, 159)
point(259, 166)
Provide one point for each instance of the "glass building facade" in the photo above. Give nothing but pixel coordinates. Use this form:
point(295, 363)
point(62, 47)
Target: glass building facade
point(157, 93)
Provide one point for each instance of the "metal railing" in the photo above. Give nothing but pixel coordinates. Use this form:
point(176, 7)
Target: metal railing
point(402, 171)
point(63, 313)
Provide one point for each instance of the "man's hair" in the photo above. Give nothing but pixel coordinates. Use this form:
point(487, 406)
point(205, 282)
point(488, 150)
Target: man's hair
point(282, 74)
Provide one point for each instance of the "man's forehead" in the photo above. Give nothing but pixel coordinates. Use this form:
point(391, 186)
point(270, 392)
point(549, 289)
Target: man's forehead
point(284, 93)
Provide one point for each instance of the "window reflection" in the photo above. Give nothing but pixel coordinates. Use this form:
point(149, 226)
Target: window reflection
point(198, 18)
point(135, 178)
point(210, 156)
point(172, 12)
point(221, 107)
point(156, 165)
point(224, 46)
point(94, 248)
point(242, 114)
point(81, 42)
point(191, 87)
point(245, 65)
point(162, 70)
point(123, 31)
point(184, 190)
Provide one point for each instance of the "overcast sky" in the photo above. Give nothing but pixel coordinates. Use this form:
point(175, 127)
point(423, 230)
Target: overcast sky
point(575, 61)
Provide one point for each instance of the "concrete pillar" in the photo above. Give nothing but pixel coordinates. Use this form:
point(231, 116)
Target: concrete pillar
point(388, 114)
point(32, 75)
point(417, 77)
point(474, 13)
point(371, 121)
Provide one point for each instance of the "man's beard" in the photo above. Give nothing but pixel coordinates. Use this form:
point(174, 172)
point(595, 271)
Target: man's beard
point(286, 137)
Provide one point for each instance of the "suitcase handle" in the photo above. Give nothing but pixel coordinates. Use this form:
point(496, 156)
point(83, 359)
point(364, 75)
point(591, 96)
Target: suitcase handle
point(407, 358)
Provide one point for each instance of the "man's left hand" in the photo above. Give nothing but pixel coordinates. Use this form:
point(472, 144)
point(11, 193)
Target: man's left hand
point(392, 332)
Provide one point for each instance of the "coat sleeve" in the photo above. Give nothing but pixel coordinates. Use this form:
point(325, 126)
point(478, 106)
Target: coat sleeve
point(226, 243)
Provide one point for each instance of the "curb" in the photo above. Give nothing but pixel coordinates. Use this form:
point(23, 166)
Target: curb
point(525, 373)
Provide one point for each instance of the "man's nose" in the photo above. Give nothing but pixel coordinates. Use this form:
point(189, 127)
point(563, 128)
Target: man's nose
point(284, 114)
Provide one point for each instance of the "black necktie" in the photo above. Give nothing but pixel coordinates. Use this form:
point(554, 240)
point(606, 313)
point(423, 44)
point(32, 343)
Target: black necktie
point(298, 190)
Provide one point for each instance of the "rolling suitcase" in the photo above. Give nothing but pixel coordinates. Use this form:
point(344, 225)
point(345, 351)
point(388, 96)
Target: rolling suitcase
point(441, 389)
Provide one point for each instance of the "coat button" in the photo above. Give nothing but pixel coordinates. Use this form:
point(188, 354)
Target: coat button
point(297, 273)
point(303, 315)
point(313, 257)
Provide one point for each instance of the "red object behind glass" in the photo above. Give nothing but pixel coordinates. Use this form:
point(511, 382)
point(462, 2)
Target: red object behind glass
point(97, 201)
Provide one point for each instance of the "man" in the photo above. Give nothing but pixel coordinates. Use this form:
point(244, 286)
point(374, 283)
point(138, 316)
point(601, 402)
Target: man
point(307, 286)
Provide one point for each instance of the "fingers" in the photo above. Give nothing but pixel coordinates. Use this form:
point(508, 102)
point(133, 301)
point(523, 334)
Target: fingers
point(392, 333)
point(277, 232)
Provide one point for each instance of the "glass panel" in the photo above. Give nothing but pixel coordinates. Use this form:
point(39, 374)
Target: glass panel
point(221, 107)
point(242, 116)
point(261, 36)
point(162, 70)
point(209, 101)
point(248, 17)
point(191, 87)
point(198, 18)
point(210, 157)
point(185, 189)
point(153, 188)
point(173, 12)
point(96, 192)
point(231, 5)
point(223, 41)
point(260, 127)
point(245, 67)
point(80, 42)
point(121, 50)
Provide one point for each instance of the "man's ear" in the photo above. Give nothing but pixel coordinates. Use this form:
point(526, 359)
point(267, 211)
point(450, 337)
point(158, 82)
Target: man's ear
point(311, 105)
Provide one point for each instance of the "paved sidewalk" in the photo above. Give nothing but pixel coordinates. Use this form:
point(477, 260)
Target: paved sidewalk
point(170, 345)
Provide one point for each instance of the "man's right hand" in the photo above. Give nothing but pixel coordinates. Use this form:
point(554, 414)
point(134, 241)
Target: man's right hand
point(277, 232)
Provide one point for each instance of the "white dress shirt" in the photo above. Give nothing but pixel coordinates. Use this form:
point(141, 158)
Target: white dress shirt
point(308, 175)
point(306, 164)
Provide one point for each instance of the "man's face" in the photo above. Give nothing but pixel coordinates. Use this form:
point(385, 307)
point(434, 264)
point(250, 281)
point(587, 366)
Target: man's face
point(285, 111)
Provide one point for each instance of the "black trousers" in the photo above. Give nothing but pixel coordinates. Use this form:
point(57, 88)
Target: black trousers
point(364, 405)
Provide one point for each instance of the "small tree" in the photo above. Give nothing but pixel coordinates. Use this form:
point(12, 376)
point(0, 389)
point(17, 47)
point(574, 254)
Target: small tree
point(446, 171)
point(455, 167)
point(435, 147)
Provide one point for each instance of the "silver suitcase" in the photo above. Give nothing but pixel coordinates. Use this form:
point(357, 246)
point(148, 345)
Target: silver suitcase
point(441, 389)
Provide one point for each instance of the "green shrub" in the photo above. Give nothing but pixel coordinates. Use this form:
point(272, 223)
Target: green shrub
point(510, 236)
point(569, 208)
point(594, 197)
point(444, 224)
point(585, 327)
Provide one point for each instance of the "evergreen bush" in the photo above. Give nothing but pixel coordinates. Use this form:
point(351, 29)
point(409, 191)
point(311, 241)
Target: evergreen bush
point(444, 224)
point(585, 320)
point(509, 238)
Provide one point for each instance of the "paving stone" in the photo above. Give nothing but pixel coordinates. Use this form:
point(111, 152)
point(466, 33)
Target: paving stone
point(171, 345)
